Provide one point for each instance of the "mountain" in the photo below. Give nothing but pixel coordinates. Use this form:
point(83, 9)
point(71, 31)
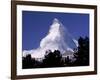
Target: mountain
point(58, 38)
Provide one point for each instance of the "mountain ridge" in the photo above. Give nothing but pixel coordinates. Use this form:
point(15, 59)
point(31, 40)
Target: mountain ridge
point(58, 38)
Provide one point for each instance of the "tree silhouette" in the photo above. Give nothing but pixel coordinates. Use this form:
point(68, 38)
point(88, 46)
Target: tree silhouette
point(53, 59)
point(67, 61)
point(28, 62)
point(82, 55)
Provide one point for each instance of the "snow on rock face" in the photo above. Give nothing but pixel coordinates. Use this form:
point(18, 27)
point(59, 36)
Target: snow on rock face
point(58, 38)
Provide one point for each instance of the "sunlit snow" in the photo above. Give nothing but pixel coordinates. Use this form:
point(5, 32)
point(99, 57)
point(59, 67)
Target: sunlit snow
point(58, 38)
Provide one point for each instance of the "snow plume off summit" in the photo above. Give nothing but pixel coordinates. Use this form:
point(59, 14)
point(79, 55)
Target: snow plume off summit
point(58, 38)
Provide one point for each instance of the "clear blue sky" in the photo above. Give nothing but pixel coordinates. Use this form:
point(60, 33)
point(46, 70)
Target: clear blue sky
point(35, 26)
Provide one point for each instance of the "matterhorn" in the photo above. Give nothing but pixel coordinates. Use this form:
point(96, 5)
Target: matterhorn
point(58, 38)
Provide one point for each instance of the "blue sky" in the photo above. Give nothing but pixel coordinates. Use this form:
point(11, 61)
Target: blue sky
point(35, 26)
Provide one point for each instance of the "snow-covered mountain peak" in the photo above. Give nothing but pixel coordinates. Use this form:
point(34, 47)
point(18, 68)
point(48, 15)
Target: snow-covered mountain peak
point(55, 24)
point(55, 20)
point(58, 38)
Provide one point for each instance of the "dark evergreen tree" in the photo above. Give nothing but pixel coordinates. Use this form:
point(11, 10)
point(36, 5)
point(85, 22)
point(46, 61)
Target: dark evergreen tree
point(67, 61)
point(82, 55)
point(28, 62)
point(53, 59)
